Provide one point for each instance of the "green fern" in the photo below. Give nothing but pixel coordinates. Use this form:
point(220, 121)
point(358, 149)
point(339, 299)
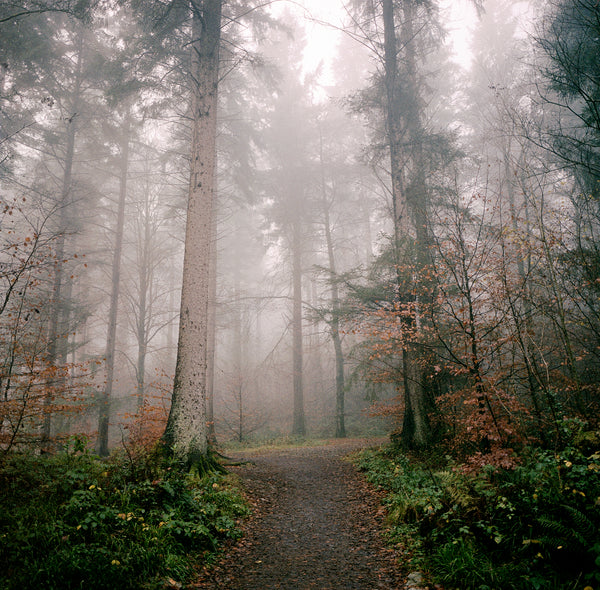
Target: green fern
point(456, 492)
point(574, 534)
point(585, 528)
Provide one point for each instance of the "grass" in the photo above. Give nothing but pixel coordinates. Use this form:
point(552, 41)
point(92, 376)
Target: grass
point(282, 442)
point(132, 521)
point(279, 442)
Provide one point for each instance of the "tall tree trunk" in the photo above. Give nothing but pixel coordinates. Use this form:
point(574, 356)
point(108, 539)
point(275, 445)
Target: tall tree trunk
point(334, 326)
point(187, 432)
point(144, 311)
point(340, 387)
point(408, 196)
point(111, 338)
point(299, 425)
point(57, 335)
point(212, 335)
point(237, 352)
point(142, 330)
point(55, 331)
point(393, 119)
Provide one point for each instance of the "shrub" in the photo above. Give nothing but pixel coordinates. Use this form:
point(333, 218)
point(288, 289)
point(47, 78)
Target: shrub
point(534, 526)
point(78, 522)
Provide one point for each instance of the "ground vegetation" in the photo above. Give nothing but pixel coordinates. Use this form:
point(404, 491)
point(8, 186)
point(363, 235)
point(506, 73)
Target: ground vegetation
point(132, 520)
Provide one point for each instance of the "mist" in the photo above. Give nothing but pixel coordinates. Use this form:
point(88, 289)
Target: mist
point(401, 224)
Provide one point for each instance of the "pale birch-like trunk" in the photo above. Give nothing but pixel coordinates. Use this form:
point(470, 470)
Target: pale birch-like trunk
point(212, 335)
point(187, 431)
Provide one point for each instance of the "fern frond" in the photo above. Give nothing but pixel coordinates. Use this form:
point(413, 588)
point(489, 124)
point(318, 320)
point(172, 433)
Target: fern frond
point(455, 490)
point(582, 525)
point(579, 534)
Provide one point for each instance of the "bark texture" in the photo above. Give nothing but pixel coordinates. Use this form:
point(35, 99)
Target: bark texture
point(187, 429)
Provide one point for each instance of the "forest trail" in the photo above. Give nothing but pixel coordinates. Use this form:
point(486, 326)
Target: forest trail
point(316, 525)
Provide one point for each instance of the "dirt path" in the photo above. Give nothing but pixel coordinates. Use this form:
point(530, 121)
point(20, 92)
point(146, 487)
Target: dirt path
point(316, 526)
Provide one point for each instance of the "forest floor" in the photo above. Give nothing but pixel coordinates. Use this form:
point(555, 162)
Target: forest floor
point(316, 524)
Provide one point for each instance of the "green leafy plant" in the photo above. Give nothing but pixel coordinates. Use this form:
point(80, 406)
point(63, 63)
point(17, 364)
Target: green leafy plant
point(533, 526)
point(128, 522)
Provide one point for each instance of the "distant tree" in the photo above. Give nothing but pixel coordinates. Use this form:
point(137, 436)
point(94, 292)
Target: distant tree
point(147, 291)
point(111, 339)
point(56, 75)
point(339, 217)
point(50, 89)
point(291, 128)
point(570, 43)
point(403, 36)
point(236, 260)
point(29, 49)
point(334, 321)
point(122, 94)
point(11, 11)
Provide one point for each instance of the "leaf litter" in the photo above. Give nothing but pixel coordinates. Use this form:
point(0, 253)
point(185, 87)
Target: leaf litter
point(316, 524)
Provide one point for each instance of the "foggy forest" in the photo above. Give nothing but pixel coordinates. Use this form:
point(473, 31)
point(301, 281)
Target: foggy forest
point(228, 223)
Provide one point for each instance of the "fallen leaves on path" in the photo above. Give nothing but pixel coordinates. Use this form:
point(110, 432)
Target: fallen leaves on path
point(316, 524)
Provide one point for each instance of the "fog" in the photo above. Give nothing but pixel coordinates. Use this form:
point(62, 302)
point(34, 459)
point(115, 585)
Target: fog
point(348, 198)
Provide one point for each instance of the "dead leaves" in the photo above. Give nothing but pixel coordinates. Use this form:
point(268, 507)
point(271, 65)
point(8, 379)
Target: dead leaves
point(316, 524)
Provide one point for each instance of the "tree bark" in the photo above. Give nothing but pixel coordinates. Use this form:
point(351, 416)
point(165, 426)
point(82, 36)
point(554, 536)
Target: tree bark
point(212, 335)
point(187, 432)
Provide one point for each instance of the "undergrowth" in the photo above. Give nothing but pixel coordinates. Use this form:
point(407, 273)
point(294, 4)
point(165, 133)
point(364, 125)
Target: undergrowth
point(74, 521)
point(536, 526)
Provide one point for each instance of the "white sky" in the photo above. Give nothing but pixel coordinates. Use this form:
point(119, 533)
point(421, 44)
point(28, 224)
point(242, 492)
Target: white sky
point(459, 17)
